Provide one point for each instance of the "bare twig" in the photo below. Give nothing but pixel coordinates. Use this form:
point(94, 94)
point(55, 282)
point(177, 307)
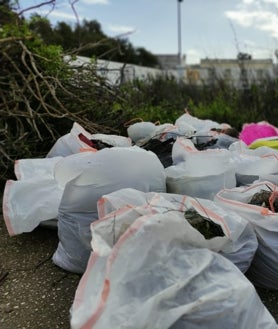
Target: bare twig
point(72, 4)
point(50, 2)
point(32, 100)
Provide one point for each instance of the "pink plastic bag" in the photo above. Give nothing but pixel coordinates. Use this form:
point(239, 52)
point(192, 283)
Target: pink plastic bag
point(252, 131)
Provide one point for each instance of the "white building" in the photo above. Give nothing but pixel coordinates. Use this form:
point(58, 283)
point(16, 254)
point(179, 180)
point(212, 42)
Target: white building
point(116, 72)
point(239, 73)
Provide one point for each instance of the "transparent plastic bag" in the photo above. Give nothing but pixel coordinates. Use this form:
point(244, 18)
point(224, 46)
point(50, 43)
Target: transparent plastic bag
point(34, 197)
point(118, 210)
point(264, 268)
point(109, 170)
point(152, 279)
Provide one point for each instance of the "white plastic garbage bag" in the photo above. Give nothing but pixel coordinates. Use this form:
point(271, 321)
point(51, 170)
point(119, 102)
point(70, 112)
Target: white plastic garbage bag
point(72, 165)
point(35, 169)
point(140, 131)
point(151, 279)
point(250, 165)
point(110, 169)
point(197, 183)
point(185, 151)
point(264, 268)
point(199, 174)
point(70, 143)
point(166, 131)
point(262, 151)
point(113, 140)
point(198, 124)
point(34, 197)
point(119, 209)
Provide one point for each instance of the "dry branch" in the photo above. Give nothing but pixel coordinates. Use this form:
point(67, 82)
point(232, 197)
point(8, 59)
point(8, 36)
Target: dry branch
point(38, 106)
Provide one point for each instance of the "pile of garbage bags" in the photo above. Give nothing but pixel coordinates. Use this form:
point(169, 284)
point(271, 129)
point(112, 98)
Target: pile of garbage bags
point(161, 224)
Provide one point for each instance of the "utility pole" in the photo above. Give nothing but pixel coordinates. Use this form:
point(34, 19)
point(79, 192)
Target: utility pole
point(180, 64)
point(179, 32)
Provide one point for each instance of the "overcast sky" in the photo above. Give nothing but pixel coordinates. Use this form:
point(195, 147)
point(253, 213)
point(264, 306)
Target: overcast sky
point(209, 28)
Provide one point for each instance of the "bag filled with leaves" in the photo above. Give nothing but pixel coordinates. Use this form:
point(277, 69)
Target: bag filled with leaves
point(258, 203)
point(213, 227)
point(153, 278)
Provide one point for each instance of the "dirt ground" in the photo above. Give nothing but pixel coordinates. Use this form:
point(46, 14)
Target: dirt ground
point(36, 294)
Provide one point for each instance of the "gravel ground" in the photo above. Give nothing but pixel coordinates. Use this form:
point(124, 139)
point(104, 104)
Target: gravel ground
point(36, 294)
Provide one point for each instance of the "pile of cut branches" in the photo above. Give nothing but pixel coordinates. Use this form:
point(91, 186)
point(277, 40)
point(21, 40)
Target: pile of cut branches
point(41, 97)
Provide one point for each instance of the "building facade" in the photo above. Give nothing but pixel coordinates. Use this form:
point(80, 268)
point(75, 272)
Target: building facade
point(240, 73)
point(171, 61)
